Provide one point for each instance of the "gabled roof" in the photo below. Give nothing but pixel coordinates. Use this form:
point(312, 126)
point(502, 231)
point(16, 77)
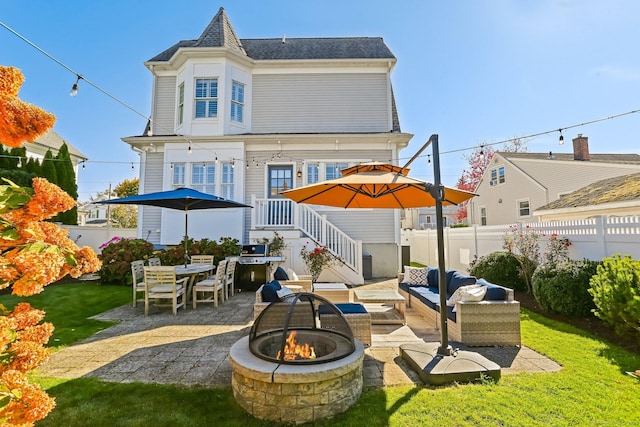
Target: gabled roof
point(220, 33)
point(618, 189)
point(51, 140)
point(594, 158)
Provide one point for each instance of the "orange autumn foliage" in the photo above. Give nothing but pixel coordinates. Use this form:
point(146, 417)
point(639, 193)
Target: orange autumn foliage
point(19, 121)
point(33, 253)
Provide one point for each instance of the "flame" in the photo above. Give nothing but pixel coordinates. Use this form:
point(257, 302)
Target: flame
point(295, 351)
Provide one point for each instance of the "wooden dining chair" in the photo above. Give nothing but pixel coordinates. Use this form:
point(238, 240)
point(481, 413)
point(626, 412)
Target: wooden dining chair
point(203, 259)
point(137, 274)
point(154, 262)
point(230, 277)
point(208, 290)
point(161, 283)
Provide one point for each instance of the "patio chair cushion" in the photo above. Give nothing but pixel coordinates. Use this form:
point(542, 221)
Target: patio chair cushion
point(292, 274)
point(345, 308)
point(283, 292)
point(270, 291)
point(280, 274)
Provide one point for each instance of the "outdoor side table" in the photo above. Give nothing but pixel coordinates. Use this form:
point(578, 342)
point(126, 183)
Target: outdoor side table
point(356, 315)
point(334, 292)
point(384, 297)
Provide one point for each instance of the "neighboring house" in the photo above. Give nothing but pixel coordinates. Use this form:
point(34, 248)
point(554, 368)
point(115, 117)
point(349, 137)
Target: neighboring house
point(425, 218)
point(247, 118)
point(516, 184)
point(618, 196)
point(52, 141)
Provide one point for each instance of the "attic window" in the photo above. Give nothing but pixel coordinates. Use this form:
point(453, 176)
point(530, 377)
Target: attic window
point(497, 176)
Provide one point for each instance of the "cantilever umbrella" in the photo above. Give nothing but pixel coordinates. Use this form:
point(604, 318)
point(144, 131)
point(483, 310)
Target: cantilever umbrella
point(375, 185)
point(180, 199)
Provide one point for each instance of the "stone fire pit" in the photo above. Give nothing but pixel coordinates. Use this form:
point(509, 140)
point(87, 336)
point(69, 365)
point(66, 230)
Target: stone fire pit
point(298, 364)
point(295, 393)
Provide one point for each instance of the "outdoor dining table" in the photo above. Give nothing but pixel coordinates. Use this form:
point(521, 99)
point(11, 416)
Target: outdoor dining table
point(192, 271)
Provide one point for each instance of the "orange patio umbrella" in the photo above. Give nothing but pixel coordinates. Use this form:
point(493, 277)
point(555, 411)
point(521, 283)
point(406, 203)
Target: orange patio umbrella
point(375, 185)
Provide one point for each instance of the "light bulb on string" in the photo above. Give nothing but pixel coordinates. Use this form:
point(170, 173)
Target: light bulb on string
point(83, 166)
point(233, 164)
point(561, 139)
point(216, 160)
point(190, 151)
point(74, 88)
point(482, 152)
point(428, 159)
point(132, 168)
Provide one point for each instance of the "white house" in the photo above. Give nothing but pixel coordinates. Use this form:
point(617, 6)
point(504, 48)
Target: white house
point(247, 118)
point(53, 141)
point(514, 185)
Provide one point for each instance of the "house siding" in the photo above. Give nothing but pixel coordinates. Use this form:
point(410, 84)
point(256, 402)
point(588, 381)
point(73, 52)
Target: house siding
point(164, 105)
point(305, 103)
point(151, 215)
point(368, 225)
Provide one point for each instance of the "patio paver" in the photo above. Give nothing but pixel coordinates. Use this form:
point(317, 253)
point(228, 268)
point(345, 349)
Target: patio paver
point(192, 348)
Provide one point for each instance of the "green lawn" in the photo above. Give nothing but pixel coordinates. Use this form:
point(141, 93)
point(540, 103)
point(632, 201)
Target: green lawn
point(592, 388)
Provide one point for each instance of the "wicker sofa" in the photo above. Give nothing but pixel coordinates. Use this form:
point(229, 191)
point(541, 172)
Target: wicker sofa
point(495, 320)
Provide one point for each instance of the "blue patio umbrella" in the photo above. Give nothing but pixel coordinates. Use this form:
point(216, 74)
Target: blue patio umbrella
point(180, 199)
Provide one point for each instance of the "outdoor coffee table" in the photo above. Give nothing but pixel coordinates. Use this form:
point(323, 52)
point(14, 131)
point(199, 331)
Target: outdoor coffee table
point(383, 296)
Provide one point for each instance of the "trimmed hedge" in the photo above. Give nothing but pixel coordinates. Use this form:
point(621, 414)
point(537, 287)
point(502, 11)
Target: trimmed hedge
point(564, 287)
point(501, 268)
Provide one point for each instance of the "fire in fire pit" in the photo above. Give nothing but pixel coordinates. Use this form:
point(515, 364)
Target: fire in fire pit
point(295, 351)
point(293, 332)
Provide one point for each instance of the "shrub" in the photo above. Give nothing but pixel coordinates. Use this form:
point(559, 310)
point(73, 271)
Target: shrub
point(227, 247)
point(616, 293)
point(564, 287)
point(117, 256)
point(501, 268)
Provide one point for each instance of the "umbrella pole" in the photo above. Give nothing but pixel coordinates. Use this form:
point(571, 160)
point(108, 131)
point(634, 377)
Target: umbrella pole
point(186, 233)
point(437, 191)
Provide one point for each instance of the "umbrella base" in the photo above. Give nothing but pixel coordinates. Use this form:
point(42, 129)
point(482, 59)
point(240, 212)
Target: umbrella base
point(439, 369)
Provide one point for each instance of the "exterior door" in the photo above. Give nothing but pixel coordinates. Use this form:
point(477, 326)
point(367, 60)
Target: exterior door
point(280, 179)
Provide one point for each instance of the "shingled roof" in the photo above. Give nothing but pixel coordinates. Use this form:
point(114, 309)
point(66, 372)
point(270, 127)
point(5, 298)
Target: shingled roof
point(618, 189)
point(594, 158)
point(220, 33)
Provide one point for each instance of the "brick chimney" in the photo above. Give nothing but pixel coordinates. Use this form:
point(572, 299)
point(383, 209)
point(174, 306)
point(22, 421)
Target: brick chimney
point(581, 148)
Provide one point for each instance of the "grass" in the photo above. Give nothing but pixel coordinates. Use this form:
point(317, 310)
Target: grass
point(69, 305)
point(592, 388)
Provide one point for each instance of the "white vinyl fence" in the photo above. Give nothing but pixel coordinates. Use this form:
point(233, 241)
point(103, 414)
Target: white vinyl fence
point(96, 236)
point(592, 239)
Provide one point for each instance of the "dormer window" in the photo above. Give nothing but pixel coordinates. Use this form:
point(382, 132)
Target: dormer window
point(206, 98)
point(237, 102)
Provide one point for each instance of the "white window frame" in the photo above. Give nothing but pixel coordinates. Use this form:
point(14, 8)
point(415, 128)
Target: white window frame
point(519, 208)
point(209, 99)
point(178, 175)
point(227, 180)
point(321, 169)
point(237, 101)
point(482, 210)
point(180, 97)
point(203, 177)
point(497, 176)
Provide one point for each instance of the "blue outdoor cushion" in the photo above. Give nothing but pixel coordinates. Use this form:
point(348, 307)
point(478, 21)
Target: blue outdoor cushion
point(428, 296)
point(270, 291)
point(458, 279)
point(432, 277)
point(280, 274)
point(345, 308)
point(406, 286)
point(494, 292)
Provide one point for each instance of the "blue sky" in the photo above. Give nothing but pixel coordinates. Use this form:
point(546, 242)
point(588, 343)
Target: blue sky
point(474, 72)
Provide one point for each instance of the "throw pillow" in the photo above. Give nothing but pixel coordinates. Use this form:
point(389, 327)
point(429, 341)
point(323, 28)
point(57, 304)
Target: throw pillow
point(270, 291)
point(415, 276)
point(468, 293)
point(292, 274)
point(283, 292)
point(280, 274)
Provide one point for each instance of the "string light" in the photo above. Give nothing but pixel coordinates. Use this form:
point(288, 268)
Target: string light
point(150, 133)
point(74, 88)
point(428, 159)
point(132, 168)
point(482, 152)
